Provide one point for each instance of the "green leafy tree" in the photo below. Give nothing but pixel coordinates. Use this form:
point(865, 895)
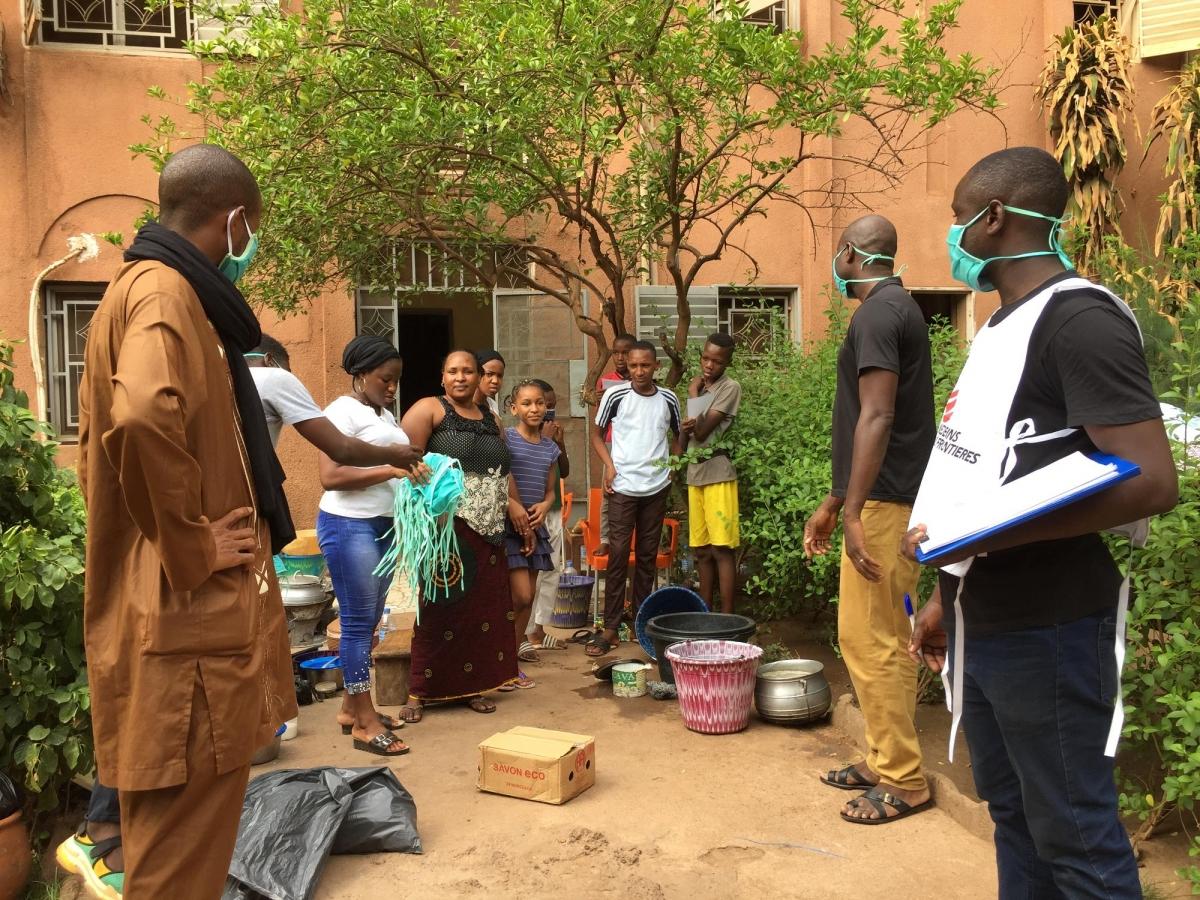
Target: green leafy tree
point(559, 146)
point(1087, 91)
point(45, 729)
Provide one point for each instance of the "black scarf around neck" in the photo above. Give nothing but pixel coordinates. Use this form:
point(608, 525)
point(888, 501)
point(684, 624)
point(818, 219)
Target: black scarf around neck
point(240, 333)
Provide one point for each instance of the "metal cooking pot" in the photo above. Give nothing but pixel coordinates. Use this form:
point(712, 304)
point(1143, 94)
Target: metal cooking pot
point(301, 590)
point(792, 691)
point(304, 600)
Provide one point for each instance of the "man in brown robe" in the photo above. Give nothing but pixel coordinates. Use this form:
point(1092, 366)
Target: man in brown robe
point(186, 641)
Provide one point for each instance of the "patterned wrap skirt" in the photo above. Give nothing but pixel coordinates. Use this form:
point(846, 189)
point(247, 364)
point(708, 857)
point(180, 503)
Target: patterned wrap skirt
point(465, 645)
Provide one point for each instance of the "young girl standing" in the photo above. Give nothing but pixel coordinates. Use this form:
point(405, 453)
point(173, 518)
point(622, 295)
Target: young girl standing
point(533, 471)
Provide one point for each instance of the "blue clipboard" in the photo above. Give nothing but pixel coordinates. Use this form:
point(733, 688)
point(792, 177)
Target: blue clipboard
point(1124, 471)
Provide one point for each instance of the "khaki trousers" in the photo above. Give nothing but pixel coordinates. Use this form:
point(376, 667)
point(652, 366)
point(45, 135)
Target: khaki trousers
point(178, 841)
point(873, 632)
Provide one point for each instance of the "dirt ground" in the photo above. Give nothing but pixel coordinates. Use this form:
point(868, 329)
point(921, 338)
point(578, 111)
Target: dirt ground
point(673, 814)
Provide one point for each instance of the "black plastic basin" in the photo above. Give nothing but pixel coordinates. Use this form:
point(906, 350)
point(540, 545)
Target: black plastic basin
point(691, 626)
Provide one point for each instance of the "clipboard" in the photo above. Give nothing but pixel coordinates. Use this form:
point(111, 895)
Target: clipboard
point(1118, 470)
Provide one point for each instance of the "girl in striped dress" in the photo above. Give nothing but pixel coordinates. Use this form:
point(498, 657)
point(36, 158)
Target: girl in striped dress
point(532, 478)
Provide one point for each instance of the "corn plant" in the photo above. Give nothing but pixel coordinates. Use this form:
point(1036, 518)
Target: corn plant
point(1176, 123)
point(1086, 90)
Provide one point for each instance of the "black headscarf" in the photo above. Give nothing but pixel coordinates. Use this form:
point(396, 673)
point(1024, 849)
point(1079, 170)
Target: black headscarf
point(239, 331)
point(367, 352)
point(483, 357)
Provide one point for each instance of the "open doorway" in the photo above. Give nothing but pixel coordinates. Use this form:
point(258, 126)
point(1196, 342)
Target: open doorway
point(423, 338)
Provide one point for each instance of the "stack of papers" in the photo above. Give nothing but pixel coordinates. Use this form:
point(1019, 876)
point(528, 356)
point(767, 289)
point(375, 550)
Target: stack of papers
point(698, 406)
point(955, 521)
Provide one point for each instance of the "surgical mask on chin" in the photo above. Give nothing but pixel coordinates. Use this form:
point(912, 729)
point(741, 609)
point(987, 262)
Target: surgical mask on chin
point(843, 284)
point(968, 269)
point(234, 267)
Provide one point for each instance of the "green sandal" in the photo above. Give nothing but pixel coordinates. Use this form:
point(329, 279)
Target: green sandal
point(80, 856)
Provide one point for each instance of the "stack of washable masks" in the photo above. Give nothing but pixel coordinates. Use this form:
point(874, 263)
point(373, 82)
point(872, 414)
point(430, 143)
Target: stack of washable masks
point(424, 547)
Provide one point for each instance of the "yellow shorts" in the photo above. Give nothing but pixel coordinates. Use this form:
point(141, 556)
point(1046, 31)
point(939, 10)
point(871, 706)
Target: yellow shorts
point(713, 515)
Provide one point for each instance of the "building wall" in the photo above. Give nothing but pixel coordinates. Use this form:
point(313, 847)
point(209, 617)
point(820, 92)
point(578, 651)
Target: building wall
point(72, 114)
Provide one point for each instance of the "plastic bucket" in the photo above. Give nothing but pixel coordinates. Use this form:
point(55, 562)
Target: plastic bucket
point(629, 680)
point(323, 668)
point(672, 628)
point(715, 681)
point(571, 601)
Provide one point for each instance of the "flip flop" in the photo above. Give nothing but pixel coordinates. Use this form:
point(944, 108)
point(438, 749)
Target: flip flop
point(550, 642)
point(391, 723)
point(601, 645)
point(412, 714)
point(380, 743)
point(527, 653)
point(877, 797)
point(524, 682)
point(582, 636)
point(480, 705)
point(840, 779)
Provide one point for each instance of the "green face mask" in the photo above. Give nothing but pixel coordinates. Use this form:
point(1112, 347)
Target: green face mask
point(234, 267)
point(968, 268)
point(843, 284)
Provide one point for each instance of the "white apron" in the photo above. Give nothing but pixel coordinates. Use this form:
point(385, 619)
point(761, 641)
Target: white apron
point(975, 449)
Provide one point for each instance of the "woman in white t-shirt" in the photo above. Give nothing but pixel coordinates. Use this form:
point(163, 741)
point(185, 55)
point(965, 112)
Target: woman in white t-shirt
point(355, 513)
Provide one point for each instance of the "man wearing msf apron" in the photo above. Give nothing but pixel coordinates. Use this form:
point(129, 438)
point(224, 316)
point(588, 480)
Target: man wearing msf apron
point(1061, 365)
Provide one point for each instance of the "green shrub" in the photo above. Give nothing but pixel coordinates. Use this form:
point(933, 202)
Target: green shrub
point(782, 447)
point(1160, 771)
point(45, 729)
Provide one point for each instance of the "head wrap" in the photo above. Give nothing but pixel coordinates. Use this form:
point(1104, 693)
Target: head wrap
point(367, 352)
point(486, 356)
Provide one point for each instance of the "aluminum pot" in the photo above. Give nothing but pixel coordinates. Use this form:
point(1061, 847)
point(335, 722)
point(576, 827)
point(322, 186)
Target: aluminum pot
point(266, 753)
point(792, 691)
point(304, 599)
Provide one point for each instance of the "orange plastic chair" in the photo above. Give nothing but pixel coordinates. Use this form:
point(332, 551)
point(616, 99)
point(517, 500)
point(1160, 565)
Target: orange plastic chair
point(568, 499)
point(591, 540)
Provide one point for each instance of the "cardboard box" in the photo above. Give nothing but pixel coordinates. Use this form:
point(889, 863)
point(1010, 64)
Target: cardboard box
point(536, 764)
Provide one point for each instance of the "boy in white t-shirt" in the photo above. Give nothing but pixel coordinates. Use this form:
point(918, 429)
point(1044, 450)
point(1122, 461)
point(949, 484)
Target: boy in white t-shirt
point(645, 421)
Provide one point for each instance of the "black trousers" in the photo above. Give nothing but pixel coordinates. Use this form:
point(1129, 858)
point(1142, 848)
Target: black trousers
point(626, 515)
point(104, 806)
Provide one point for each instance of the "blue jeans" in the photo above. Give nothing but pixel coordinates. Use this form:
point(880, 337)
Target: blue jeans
point(1037, 705)
point(352, 549)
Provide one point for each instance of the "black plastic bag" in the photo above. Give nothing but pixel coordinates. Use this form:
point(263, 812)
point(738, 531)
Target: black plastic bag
point(12, 798)
point(293, 819)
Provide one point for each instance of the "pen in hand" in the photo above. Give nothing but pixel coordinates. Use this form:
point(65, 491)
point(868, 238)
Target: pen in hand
point(908, 608)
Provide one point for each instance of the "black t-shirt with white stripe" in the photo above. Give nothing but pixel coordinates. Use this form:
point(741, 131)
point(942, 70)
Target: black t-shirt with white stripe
point(1085, 366)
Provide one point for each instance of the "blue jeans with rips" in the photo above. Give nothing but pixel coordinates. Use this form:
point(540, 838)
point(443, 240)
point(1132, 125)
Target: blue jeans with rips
point(352, 549)
point(1037, 705)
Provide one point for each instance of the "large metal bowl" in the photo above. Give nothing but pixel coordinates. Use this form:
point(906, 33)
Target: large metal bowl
point(792, 691)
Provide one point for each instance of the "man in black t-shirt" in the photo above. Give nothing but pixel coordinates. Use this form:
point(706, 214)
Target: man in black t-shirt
point(1039, 601)
point(883, 430)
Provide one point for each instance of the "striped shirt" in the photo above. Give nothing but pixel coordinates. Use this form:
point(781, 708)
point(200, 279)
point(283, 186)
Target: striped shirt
point(531, 465)
point(640, 425)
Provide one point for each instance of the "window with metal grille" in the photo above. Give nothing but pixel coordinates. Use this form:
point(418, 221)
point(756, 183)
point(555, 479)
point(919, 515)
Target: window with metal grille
point(755, 318)
point(1090, 10)
point(773, 16)
point(116, 23)
point(69, 309)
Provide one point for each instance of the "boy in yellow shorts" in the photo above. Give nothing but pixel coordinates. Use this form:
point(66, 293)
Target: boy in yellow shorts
point(712, 483)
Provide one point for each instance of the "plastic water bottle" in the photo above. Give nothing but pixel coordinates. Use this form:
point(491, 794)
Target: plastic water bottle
point(569, 570)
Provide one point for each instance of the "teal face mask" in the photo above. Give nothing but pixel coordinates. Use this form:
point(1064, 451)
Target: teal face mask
point(234, 267)
point(968, 268)
point(843, 284)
